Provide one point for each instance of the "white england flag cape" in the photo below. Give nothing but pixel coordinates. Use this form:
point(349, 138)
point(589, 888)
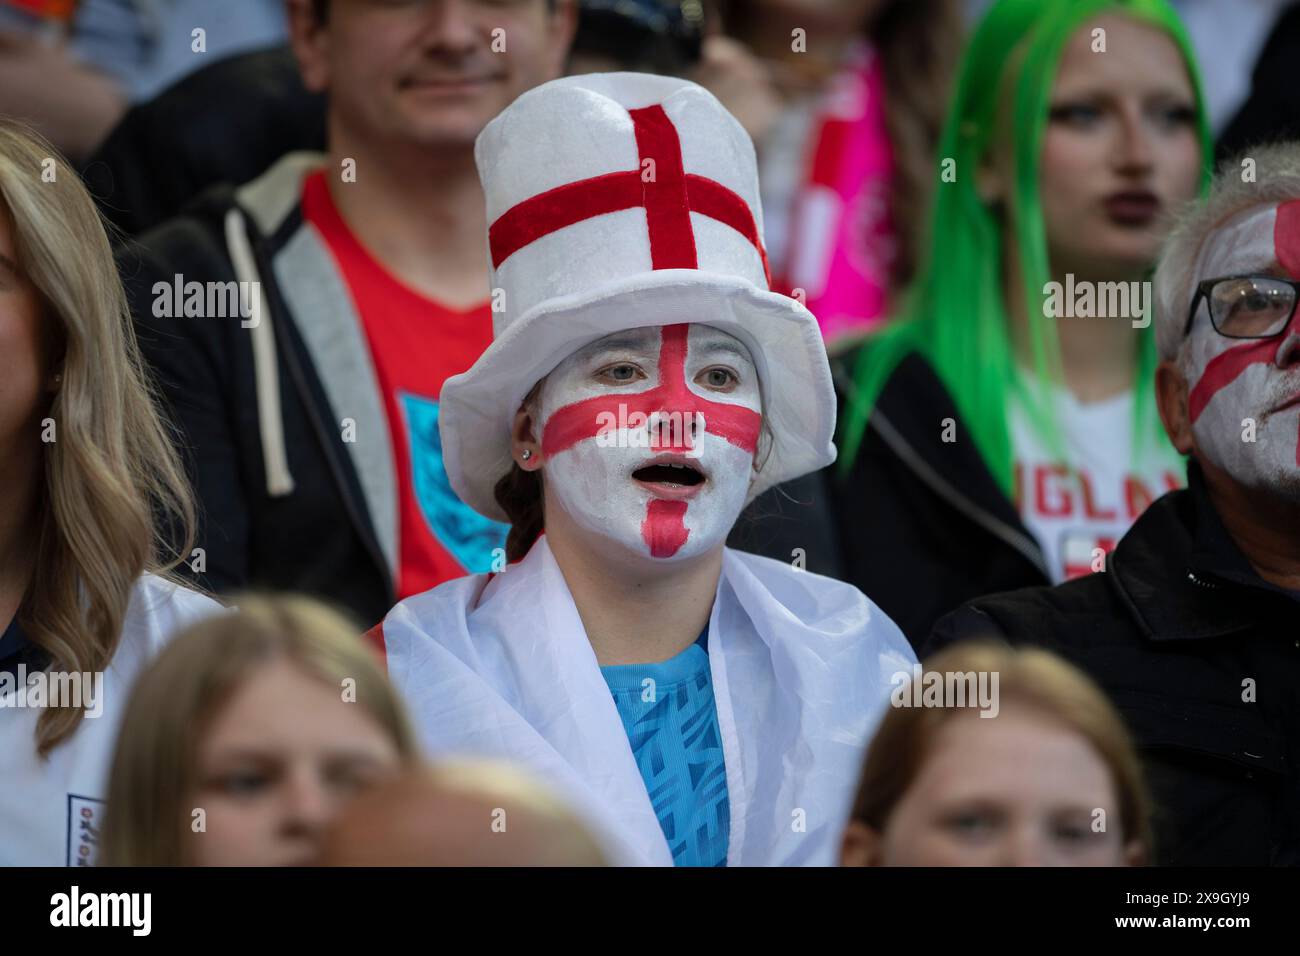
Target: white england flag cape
point(500, 666)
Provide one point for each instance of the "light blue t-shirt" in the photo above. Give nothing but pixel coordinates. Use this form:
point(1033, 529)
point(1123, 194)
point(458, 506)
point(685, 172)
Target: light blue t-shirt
point(672, 726)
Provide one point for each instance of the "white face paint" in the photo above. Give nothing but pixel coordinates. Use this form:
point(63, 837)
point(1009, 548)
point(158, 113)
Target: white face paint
point(648, 437)
point(1232, 382)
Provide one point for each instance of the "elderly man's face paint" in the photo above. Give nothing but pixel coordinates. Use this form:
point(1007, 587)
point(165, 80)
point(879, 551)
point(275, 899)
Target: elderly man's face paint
point(649, 437)
point(1232, 380)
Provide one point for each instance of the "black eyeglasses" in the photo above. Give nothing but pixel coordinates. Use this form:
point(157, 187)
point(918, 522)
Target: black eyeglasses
point(1247, 307)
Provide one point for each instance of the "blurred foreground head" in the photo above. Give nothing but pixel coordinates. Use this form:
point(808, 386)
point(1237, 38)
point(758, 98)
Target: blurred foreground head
point(245, 738)
point(1029, 765)
point(460, 814)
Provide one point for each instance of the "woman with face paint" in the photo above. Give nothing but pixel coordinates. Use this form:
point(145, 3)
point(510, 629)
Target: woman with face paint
point(1003, 432)
point(699, 706)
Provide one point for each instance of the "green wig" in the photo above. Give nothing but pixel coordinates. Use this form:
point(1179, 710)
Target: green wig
point(955, 315)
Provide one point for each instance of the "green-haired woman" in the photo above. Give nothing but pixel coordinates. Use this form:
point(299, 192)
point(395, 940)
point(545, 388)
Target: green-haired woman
point(1002, 433)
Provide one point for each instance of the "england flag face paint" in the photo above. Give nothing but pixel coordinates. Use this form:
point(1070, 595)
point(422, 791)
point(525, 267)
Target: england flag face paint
point(649, 437)
point(1234, 382)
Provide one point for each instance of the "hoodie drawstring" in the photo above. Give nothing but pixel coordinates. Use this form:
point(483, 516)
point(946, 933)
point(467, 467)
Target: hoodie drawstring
point(266, 374)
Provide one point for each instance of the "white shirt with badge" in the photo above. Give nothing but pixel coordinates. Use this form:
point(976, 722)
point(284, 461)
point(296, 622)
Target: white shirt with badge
point(51, 809)
point(1079, 504)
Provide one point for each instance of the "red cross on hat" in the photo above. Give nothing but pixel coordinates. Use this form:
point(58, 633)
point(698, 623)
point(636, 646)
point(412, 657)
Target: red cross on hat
point(619, 201)
point(663, 188)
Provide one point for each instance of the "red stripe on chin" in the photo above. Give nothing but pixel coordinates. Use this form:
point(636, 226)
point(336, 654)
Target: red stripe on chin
point(663, 530)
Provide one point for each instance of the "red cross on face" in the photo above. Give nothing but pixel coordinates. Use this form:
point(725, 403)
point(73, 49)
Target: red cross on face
point(1227, 362)
point(654, 445)
point(1244, 398)
point(672, 396)
point(668, 197)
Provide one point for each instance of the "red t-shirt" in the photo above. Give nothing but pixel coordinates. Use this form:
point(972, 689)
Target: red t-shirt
point(416, 343)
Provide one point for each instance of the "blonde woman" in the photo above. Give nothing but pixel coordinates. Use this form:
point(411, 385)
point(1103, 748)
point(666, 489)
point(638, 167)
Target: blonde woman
point(85, 470)
point(247, 736)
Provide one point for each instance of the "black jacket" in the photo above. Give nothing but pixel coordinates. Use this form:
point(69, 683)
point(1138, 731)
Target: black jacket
point(923, 526)
point(1271, 114)
point(286, 502)
point(224, 123)
point(1173, 631)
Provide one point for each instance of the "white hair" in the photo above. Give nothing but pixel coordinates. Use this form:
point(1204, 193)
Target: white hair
point(1275, 179)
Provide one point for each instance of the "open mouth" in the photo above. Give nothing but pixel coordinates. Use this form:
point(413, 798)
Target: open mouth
point(686, 476)
point(672, 477)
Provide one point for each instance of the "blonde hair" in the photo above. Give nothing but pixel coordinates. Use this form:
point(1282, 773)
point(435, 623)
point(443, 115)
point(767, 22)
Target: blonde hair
point(1033, 678)
point(155, 766)
point(111, 468)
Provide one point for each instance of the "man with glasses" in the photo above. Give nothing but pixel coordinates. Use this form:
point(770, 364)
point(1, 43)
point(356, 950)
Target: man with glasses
point(1194, 629)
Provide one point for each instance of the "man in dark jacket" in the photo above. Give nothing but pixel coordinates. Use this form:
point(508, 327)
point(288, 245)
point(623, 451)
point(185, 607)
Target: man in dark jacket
point(301, 325)
point(1192, 629)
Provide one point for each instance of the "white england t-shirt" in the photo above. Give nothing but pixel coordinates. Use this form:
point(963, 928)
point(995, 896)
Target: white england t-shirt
point(1078, 506)
point(51, 810)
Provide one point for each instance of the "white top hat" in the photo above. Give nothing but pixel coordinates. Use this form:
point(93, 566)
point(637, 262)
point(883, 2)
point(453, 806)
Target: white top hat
point(617, 201)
